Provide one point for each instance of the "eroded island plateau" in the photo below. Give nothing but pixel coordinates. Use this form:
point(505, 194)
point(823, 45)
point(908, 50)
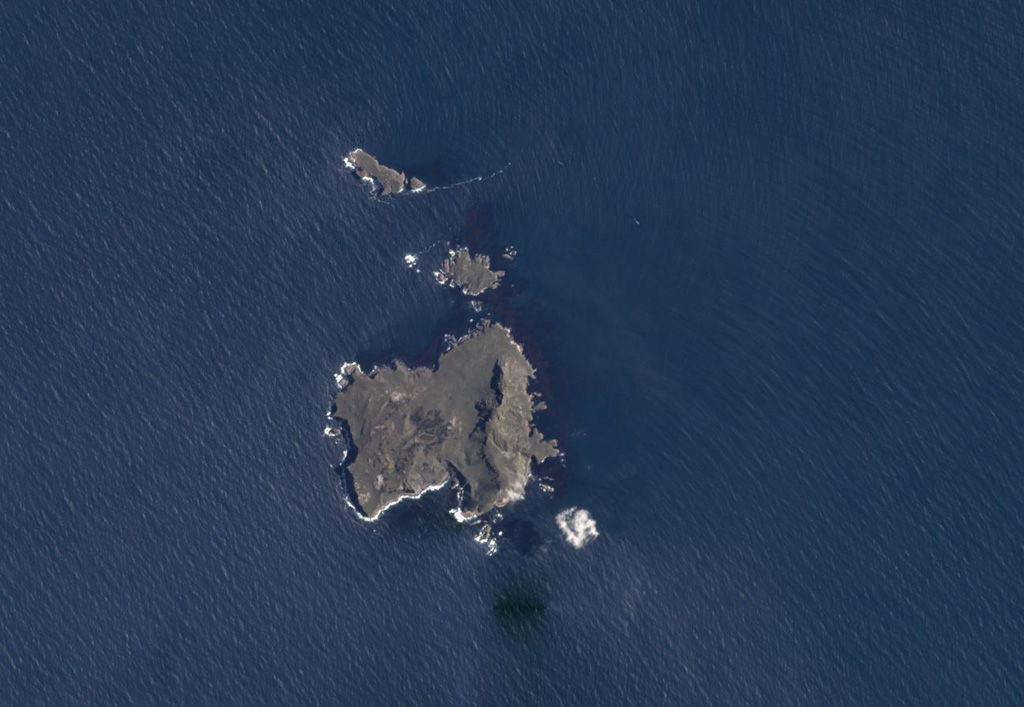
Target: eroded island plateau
point(469, 420)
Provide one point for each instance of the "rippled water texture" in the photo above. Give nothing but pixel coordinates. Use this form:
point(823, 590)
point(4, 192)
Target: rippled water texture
point(769, 267)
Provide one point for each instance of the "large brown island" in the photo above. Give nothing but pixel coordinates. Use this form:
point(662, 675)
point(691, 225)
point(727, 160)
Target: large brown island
point(467, 420)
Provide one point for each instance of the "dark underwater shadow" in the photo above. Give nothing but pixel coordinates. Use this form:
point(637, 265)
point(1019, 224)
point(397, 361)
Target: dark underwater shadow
point(520, 608)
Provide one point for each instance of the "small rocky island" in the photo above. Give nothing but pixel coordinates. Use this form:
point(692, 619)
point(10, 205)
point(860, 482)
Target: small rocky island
point(385, 181)
point(469, 420)
point(471, 273)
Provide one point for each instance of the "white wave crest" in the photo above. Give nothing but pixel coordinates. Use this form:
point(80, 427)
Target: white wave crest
point(578, 526)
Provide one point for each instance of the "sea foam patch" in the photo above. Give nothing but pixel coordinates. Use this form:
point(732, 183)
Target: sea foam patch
point(578, 526)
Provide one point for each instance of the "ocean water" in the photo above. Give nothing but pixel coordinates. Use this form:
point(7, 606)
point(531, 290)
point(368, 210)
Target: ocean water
point(770, 268)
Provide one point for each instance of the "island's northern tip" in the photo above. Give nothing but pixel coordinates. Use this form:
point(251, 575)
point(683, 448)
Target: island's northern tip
point(385, 180)
point(469, 420)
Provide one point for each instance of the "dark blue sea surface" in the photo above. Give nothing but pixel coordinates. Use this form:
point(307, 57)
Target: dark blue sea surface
point(771, 271)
